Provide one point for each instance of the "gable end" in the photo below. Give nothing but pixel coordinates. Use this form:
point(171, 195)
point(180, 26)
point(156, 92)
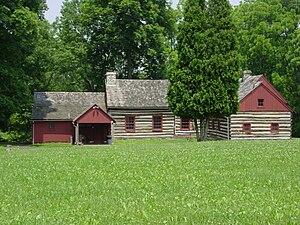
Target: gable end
point(272, 101)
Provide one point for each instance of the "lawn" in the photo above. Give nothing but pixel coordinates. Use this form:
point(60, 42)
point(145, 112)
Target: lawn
point(152, 182)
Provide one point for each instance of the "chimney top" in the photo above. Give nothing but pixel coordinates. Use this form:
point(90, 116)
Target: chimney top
point(111, 78)
point(246, 74)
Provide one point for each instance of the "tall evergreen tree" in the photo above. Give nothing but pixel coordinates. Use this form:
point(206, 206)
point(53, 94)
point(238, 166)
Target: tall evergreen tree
point(206, 81)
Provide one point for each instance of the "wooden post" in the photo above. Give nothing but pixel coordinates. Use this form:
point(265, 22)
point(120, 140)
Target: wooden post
point(33, 134)
point(112, 129)
point(77, 134)
point(228, 128)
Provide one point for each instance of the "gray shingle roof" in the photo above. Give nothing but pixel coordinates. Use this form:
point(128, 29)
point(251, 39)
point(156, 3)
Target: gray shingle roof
point(153, 93)
point(64, 105)
point(247, 85)
point(148, 94)
point(137, 94)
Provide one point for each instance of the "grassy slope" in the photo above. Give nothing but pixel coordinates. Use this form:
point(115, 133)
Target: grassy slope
point(152, 181)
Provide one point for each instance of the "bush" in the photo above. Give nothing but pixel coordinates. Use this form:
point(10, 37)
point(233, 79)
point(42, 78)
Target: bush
point(19, 128)
point(14, 136)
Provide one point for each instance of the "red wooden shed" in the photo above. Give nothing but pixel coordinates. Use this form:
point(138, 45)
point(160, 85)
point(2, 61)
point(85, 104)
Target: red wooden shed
point(76, 117)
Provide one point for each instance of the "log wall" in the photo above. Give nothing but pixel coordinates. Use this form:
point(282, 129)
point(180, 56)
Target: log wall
point(184, 133)
point(218, 129)
point(143, 124)
point(260, 125)
point(62, 131)
point(228, 128)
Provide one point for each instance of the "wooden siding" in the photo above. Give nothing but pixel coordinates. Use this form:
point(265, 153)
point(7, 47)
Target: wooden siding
point(269, 86)
point(260, 125)
point(219, 131)
point(229, 127)
point(94, 115)
point(184, 133)
point(62, 131)
point(143, 124)
point(271, 101)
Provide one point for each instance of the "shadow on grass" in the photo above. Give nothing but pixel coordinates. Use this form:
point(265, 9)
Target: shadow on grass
point(10, 146)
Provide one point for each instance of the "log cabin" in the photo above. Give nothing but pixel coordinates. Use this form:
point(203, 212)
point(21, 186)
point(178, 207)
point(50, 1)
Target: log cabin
point(263, 113)
point(138, 109)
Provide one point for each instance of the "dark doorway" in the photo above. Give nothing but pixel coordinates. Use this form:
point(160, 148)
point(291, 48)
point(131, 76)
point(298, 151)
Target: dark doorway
point(93, 133)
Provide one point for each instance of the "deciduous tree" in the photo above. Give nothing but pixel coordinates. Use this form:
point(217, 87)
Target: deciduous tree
point(130, 36)
point(268, 37)
point(19, 22)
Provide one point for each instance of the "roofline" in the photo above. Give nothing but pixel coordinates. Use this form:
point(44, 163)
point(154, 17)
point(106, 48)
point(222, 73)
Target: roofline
point(284, 103)
point(148, 108)
point(85, 111)
point(41, 120)
point(273, 88)
point(142, 80)
point(98, 92)
point(260, 76)
point(269, 110)
point(249, 93)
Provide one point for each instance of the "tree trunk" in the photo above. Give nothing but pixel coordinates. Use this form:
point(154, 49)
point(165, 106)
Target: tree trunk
point(201, 130)
point(205, 129)
point(129, 65)
point(89, 84)
point(202, 135)
point(197, 130)
point(203, 126)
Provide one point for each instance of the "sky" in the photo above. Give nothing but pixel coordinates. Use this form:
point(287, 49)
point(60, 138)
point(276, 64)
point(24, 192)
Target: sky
point(54, 7)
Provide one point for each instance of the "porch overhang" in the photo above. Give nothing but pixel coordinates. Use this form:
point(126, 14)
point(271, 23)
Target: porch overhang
point(93, 114)
point(97, 125)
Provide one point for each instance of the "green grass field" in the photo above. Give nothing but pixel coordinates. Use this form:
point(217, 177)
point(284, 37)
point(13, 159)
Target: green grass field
point(152, 182)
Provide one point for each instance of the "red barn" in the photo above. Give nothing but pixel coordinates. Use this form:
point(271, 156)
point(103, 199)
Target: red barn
point(79, 117)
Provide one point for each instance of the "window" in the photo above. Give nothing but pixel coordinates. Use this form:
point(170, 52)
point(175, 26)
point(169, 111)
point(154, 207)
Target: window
point(216, 124)
point(247, 128)
point(274, 127)
point(51, 125)
point(157, 122)
point(130, 123)
point(260, 102)
point(184, 124)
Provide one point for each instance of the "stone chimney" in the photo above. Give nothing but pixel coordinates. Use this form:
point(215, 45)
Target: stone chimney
point(246, 74)
point(111, 78)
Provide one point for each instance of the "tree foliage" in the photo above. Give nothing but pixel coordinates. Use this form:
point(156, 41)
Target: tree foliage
point(137, 39)
point(129, 36)
point(206, 81)
point(19, 22)
point(268, 42)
